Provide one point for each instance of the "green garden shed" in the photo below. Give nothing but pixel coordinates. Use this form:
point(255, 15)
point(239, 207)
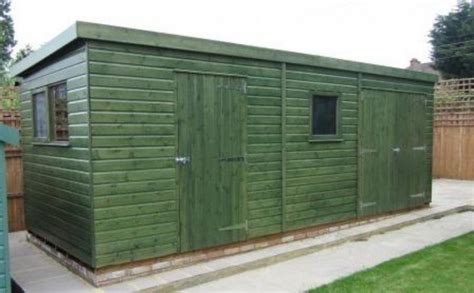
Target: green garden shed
point(141, 145)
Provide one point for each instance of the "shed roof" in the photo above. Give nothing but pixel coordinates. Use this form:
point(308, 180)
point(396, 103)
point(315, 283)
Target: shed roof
point(93, 31)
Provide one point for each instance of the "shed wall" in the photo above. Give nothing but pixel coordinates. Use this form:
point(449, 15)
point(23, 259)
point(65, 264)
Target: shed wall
point(127, 93)
point(321, 176)
point(132, 95)
point(132, 92)
point(57, 189)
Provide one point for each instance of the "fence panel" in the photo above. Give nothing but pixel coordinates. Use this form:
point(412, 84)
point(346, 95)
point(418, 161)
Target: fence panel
point(453, 149)
point(10, 115)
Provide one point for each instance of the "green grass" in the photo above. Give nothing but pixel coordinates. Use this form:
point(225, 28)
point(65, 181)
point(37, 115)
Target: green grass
point(445, 267)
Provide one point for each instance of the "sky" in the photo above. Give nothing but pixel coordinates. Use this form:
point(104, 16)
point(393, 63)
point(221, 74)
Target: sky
point(373, 31)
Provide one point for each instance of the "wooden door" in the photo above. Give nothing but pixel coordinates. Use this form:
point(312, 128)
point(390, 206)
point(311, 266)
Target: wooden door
point(211, 111)
point(411, 160)
point(376, 153)
point(392, 154)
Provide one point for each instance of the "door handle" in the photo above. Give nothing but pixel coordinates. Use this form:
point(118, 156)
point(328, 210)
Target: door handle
point(182, 160)
point(397, 150)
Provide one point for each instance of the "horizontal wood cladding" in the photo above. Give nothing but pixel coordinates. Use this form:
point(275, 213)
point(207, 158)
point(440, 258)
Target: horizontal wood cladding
point(110, 197)
point(133, 128)
point(57, 179)
point(134, 146)
point(321, 177)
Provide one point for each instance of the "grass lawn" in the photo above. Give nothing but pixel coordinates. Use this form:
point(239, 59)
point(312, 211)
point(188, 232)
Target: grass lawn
point(445, 267)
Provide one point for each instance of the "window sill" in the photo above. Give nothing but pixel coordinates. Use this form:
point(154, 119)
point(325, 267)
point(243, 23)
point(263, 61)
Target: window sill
point(325, 139)
point(53, 144)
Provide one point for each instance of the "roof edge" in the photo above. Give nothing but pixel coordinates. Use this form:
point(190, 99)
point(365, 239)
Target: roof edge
point(111, 33)
point(61, 40)
point(101, 32)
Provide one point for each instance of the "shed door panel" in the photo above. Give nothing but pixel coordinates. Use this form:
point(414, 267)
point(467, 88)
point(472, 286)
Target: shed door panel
point(412, 156)
point(392, 151)
point(376, 152)
point(211, 135)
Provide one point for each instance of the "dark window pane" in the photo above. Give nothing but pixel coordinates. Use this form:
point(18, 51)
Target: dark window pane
point(58, 95)
point(324, 115)
point(40, 114)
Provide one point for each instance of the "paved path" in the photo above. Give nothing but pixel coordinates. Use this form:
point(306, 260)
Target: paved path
point(36, 272)
point(323, 267)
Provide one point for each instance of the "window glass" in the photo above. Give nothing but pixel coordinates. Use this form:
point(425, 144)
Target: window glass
point(324, 115)
point(58, 94)
point(40, 114)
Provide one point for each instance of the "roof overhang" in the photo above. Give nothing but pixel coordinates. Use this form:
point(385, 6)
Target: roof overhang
point(64, 38)
point(100, 32)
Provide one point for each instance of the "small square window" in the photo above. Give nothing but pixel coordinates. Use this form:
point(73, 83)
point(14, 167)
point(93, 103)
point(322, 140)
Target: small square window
point(325, 116)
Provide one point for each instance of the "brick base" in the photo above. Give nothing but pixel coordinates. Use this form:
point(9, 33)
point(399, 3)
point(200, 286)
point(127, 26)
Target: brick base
point(118, 273)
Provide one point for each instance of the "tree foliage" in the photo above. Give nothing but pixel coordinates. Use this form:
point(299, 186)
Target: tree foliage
point(22, 53)
point(452, 38)
point(7, 34)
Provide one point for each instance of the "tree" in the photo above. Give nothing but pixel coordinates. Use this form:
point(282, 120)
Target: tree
point(452, 38)
point(22, 53)
point(7, 34)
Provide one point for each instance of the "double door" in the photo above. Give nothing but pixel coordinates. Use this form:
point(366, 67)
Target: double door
point(392, 151)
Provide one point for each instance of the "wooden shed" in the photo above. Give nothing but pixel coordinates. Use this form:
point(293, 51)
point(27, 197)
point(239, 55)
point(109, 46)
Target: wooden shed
point(141, 145)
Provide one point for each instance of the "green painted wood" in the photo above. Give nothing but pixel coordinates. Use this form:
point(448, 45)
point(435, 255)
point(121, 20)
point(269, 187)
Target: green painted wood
point(283, 146)
point(377, 140)
point(211, 131)
point(58, 199)
point(126, 132)
point(411, 173)
point(51, 47)
point(8, 135)
point(359, 143)
point(393, 151)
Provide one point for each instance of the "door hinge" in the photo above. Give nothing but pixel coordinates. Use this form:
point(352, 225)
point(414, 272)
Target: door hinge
point(367, 204)
point(242, 88)
point(233, 159)
point(244, 225)
point(419, 148)
point(367, 151)
point(417, 195)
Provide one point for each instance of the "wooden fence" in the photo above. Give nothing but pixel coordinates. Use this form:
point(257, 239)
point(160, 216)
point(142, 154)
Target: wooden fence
point(453, 150)
point(10, 115)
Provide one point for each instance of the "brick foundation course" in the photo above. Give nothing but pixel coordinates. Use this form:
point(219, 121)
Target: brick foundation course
point(118, 273)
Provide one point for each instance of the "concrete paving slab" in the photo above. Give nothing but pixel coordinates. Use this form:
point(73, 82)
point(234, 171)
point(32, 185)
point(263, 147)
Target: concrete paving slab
point(294, 274)
point(322, 267)
point(63, 283)
point(147, 282)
